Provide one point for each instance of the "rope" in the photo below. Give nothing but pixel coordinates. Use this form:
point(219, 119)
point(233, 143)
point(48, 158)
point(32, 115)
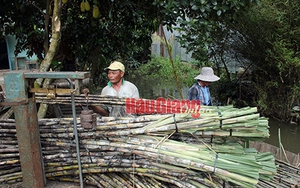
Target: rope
point(215, 163)
point(176, 128)
point(220, 115)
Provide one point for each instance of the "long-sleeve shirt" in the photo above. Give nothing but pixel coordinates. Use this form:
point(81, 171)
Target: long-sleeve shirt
point(197, 92)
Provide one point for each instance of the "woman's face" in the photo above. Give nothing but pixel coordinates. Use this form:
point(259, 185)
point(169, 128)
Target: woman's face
point(204, 83)
point(207, 83)
point(115, 76)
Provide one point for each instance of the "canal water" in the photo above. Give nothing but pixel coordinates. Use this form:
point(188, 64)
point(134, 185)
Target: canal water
point(289, 133)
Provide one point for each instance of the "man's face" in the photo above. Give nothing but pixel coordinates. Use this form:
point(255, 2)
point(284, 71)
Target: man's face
point(115, 76)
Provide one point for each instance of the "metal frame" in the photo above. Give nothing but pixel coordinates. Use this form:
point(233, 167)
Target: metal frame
point(17, 92)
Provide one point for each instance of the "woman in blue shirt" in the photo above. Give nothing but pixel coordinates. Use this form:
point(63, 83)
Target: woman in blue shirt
point(200, 90)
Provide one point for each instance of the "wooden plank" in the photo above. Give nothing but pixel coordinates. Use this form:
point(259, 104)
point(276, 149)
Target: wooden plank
point(58, 75)
point(293, 159)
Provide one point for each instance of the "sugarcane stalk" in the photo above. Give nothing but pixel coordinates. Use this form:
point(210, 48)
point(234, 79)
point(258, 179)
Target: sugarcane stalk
point(10, 171)
point(109, 181)
point(10, 177)
point(120, 179)
point(95, 181)
point(10, 162)
point(136, 180)
point(168, 179)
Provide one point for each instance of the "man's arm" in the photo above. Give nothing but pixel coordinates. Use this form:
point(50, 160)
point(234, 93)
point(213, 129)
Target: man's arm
point(100, 110)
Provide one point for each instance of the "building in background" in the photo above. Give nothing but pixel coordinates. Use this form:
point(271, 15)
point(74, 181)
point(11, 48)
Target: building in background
point(10, 61)
point(158, 48)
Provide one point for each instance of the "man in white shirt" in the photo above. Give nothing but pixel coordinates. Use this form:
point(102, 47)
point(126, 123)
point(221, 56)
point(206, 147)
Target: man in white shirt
point(118, 87)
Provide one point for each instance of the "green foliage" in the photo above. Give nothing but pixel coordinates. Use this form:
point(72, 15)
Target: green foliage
point(133, 64)
point(160, 69)
point(56, 65)
point(123, 31)
point(223, 91)
point(264, 37)
point(200, 21)
point(267, 35)
point(24, 21)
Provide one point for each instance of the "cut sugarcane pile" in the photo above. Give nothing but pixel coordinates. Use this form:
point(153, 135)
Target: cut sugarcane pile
point(80, 99)
point(287, 176)
point(151, 150)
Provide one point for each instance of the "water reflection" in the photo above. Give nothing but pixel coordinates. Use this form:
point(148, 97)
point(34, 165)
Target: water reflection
point(153, 89)
point(289, 135)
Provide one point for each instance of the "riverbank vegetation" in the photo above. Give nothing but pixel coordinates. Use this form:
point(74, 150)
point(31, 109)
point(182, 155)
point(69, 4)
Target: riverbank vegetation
point(264, 40)
point(160, 68)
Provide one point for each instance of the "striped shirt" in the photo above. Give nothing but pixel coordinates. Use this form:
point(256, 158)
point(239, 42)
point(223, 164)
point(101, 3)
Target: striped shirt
point(197, 92)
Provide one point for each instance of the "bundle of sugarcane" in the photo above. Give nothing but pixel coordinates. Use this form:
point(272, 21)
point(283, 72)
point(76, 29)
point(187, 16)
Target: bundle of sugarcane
point(239, 166)
point(10, 169)
point(157, 150)
point(287, 175)
point(242, 123)
point(214, 122)
point(80, 99)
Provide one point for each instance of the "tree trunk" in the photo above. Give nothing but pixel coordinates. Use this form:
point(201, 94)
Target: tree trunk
point(43, 107)
point(56, 33)
point(46, 27)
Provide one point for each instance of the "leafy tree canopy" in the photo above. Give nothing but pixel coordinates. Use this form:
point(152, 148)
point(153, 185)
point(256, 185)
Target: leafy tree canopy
point(122, 29)
point(269, 38)
point(264, 38)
